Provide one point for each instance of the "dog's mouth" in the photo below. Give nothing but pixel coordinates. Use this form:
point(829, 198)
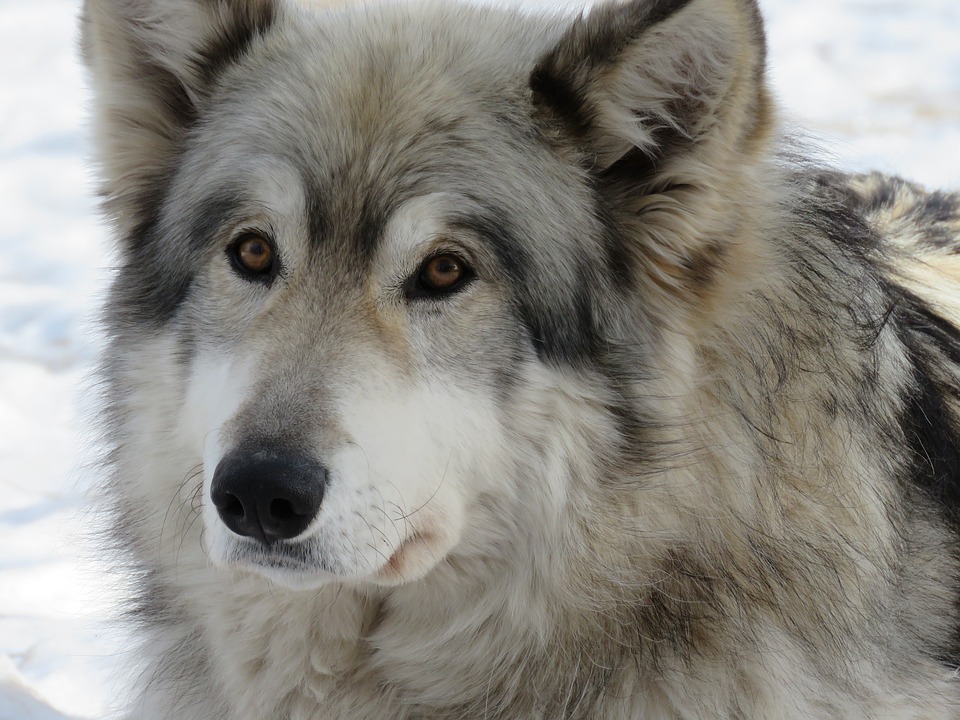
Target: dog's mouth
point(301, 565)
point(284, 569)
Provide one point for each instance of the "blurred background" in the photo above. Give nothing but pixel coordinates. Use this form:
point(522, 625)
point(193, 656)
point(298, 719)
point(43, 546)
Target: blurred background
point(876, 84)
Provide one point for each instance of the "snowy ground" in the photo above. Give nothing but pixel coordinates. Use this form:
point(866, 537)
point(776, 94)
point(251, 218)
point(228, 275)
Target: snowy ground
point(878, 81)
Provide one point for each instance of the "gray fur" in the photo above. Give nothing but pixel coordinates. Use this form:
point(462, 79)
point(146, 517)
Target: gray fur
point(684, 445)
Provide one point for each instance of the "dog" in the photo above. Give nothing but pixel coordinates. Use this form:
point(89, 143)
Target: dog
point(471, 363)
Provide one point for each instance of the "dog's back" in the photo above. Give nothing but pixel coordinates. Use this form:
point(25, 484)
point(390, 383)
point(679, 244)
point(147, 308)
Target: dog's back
point(923, 226)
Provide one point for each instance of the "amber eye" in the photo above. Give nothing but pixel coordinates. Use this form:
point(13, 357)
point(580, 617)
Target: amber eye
point(443, 273)
point(253, 255)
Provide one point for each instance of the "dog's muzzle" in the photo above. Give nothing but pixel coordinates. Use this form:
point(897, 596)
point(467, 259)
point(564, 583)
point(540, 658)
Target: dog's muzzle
point(268, 494)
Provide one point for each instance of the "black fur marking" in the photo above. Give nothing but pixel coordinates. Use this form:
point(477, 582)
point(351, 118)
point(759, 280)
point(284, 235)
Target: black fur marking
point(635, 167)
point(675, 615)
point(941, 237)
point(611, 28)
point(318, 220)
point(566, 102)
point(176, 100)
point(495, 228)
point(934, 216)
point(234, 42)
point(920, 318)
point(142, 292)
point(620, 263)
point(210, 216)
point(761, 35)
point(704, 267)
point(370, 225)
point(837, 212)
point(560, 321)
point(622, 374)
point(938, 218)
point(159, 269)
point(359, 219)
point(930, 427)
point(941, 207)
point(562, 334)
point(884, 197)
point(149, 287)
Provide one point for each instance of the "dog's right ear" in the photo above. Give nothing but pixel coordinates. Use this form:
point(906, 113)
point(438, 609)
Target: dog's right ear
point(153, 63)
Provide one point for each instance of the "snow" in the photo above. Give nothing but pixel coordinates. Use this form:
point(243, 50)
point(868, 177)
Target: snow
point(877, 81)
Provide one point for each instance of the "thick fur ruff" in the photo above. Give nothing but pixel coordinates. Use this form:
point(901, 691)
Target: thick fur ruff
point(467, 363)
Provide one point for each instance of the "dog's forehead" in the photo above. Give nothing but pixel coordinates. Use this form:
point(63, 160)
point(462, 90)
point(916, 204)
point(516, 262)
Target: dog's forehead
point(370, 115)
point(344, 87)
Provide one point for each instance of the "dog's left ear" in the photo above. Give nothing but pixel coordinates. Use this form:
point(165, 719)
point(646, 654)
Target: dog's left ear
point(661, 77)
point(663, 103)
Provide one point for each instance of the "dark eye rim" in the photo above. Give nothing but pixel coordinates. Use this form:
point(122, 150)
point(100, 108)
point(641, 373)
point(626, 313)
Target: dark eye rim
point(416, 289)
point(262, 276)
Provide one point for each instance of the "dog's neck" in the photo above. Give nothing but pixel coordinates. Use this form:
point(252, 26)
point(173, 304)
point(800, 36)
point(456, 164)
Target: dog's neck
point(490, 646)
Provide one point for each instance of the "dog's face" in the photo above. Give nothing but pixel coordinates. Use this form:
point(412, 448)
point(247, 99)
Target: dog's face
point(349, 378)
point(359, 249)
point(372, 243)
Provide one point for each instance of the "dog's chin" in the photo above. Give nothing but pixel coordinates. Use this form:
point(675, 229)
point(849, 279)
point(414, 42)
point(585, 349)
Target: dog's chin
point(290, 579)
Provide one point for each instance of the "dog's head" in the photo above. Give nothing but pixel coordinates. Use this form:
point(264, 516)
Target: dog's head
point(391, 273)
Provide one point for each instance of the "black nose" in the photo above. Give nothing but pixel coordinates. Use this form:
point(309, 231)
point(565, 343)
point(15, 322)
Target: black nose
point(268, 495)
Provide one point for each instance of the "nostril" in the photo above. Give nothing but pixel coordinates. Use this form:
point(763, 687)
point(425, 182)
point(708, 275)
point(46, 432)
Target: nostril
point(229, 505)
point(281, 510)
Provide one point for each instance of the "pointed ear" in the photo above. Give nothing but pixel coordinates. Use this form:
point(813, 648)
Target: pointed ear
point(659, 76)
point(664, 104)
point(152, 64)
